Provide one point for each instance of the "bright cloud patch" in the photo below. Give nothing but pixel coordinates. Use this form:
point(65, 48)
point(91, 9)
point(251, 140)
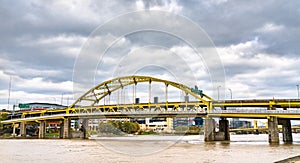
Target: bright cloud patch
point(269, 27)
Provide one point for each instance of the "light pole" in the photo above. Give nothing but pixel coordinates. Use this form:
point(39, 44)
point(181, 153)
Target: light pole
point(16, 104)
point(62, 97)
point(230, 93)
point(219, 92)
point(298, 90)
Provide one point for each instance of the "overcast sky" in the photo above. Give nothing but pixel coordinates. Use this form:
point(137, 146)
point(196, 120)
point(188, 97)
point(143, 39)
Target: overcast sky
point(41, 41)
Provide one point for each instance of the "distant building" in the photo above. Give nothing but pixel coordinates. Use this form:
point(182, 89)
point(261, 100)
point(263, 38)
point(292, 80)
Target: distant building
point(198, 121)
point(240, 124)
point(93, 124)
point(180, 122)
point(155, 124)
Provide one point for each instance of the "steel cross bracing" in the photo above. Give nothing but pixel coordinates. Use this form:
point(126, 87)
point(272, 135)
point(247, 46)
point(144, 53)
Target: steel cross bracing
point(240, 113)
point(185, 107)
point(170, 106)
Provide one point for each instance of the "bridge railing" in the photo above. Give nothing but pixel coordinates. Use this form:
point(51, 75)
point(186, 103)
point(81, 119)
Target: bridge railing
point(254, 111)
point(143, 112)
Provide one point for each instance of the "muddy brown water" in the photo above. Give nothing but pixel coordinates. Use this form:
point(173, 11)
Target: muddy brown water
point(241, 148)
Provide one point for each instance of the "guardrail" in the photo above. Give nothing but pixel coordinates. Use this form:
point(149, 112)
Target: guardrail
point(254, 111)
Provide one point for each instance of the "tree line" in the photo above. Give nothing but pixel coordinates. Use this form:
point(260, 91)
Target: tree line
point(118, 127)
point(2, 117)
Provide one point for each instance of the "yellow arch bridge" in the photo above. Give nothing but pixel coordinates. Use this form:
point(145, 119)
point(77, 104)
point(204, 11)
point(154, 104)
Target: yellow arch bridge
point(89, 106)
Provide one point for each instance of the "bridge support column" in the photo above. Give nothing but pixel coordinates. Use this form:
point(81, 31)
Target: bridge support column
point(66, 128)
point(223, 133)
point(23, 129)
point(169, 124)
point(14, 130)
point(42, 130)
point(273, 130)
point(286, 130)
point(85, 128)
point(61, 129)
point(209, 129)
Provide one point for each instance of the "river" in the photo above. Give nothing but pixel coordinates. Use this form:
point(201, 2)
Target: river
point(241, 148)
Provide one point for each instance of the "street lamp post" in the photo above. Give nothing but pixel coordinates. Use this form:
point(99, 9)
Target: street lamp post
point(298, 90)
point(231, 99)
point(62, 97)
point(219, 92)
point(230, 93)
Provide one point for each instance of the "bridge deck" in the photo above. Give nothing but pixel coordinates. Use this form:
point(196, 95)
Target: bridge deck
point(172, 109)
point(241, 113)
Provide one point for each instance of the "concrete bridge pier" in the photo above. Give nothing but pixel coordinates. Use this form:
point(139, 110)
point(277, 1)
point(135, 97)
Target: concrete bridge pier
point(14, 130)
point(23, 129)
point(286, 130)
point(223, 133)
point(61, 129)
point(66, 128)
point(273, 129)
point(209, 129)
point(85, 128)
point(42, 130)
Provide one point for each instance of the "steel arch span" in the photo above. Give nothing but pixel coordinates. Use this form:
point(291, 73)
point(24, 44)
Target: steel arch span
point(95, 94)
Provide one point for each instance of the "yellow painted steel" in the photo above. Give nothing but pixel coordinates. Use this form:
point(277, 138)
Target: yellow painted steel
point(266, 103)
point(95, 94)
point(261, 129)
point(174, 106)
point(254, 115)
point(255, 124)
point(183, 106)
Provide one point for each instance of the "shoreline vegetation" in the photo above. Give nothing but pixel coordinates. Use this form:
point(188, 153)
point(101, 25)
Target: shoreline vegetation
point(78, 134)
point(108, 129)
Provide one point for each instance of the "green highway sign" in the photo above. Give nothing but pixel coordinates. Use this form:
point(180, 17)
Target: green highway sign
point(24, 106)
point(196, 90)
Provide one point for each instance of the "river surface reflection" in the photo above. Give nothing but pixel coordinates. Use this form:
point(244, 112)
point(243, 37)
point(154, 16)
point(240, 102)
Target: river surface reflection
point(241, 148)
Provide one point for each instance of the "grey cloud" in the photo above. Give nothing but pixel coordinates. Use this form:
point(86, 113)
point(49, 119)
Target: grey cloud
point(26, 23)
point(235, 21)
